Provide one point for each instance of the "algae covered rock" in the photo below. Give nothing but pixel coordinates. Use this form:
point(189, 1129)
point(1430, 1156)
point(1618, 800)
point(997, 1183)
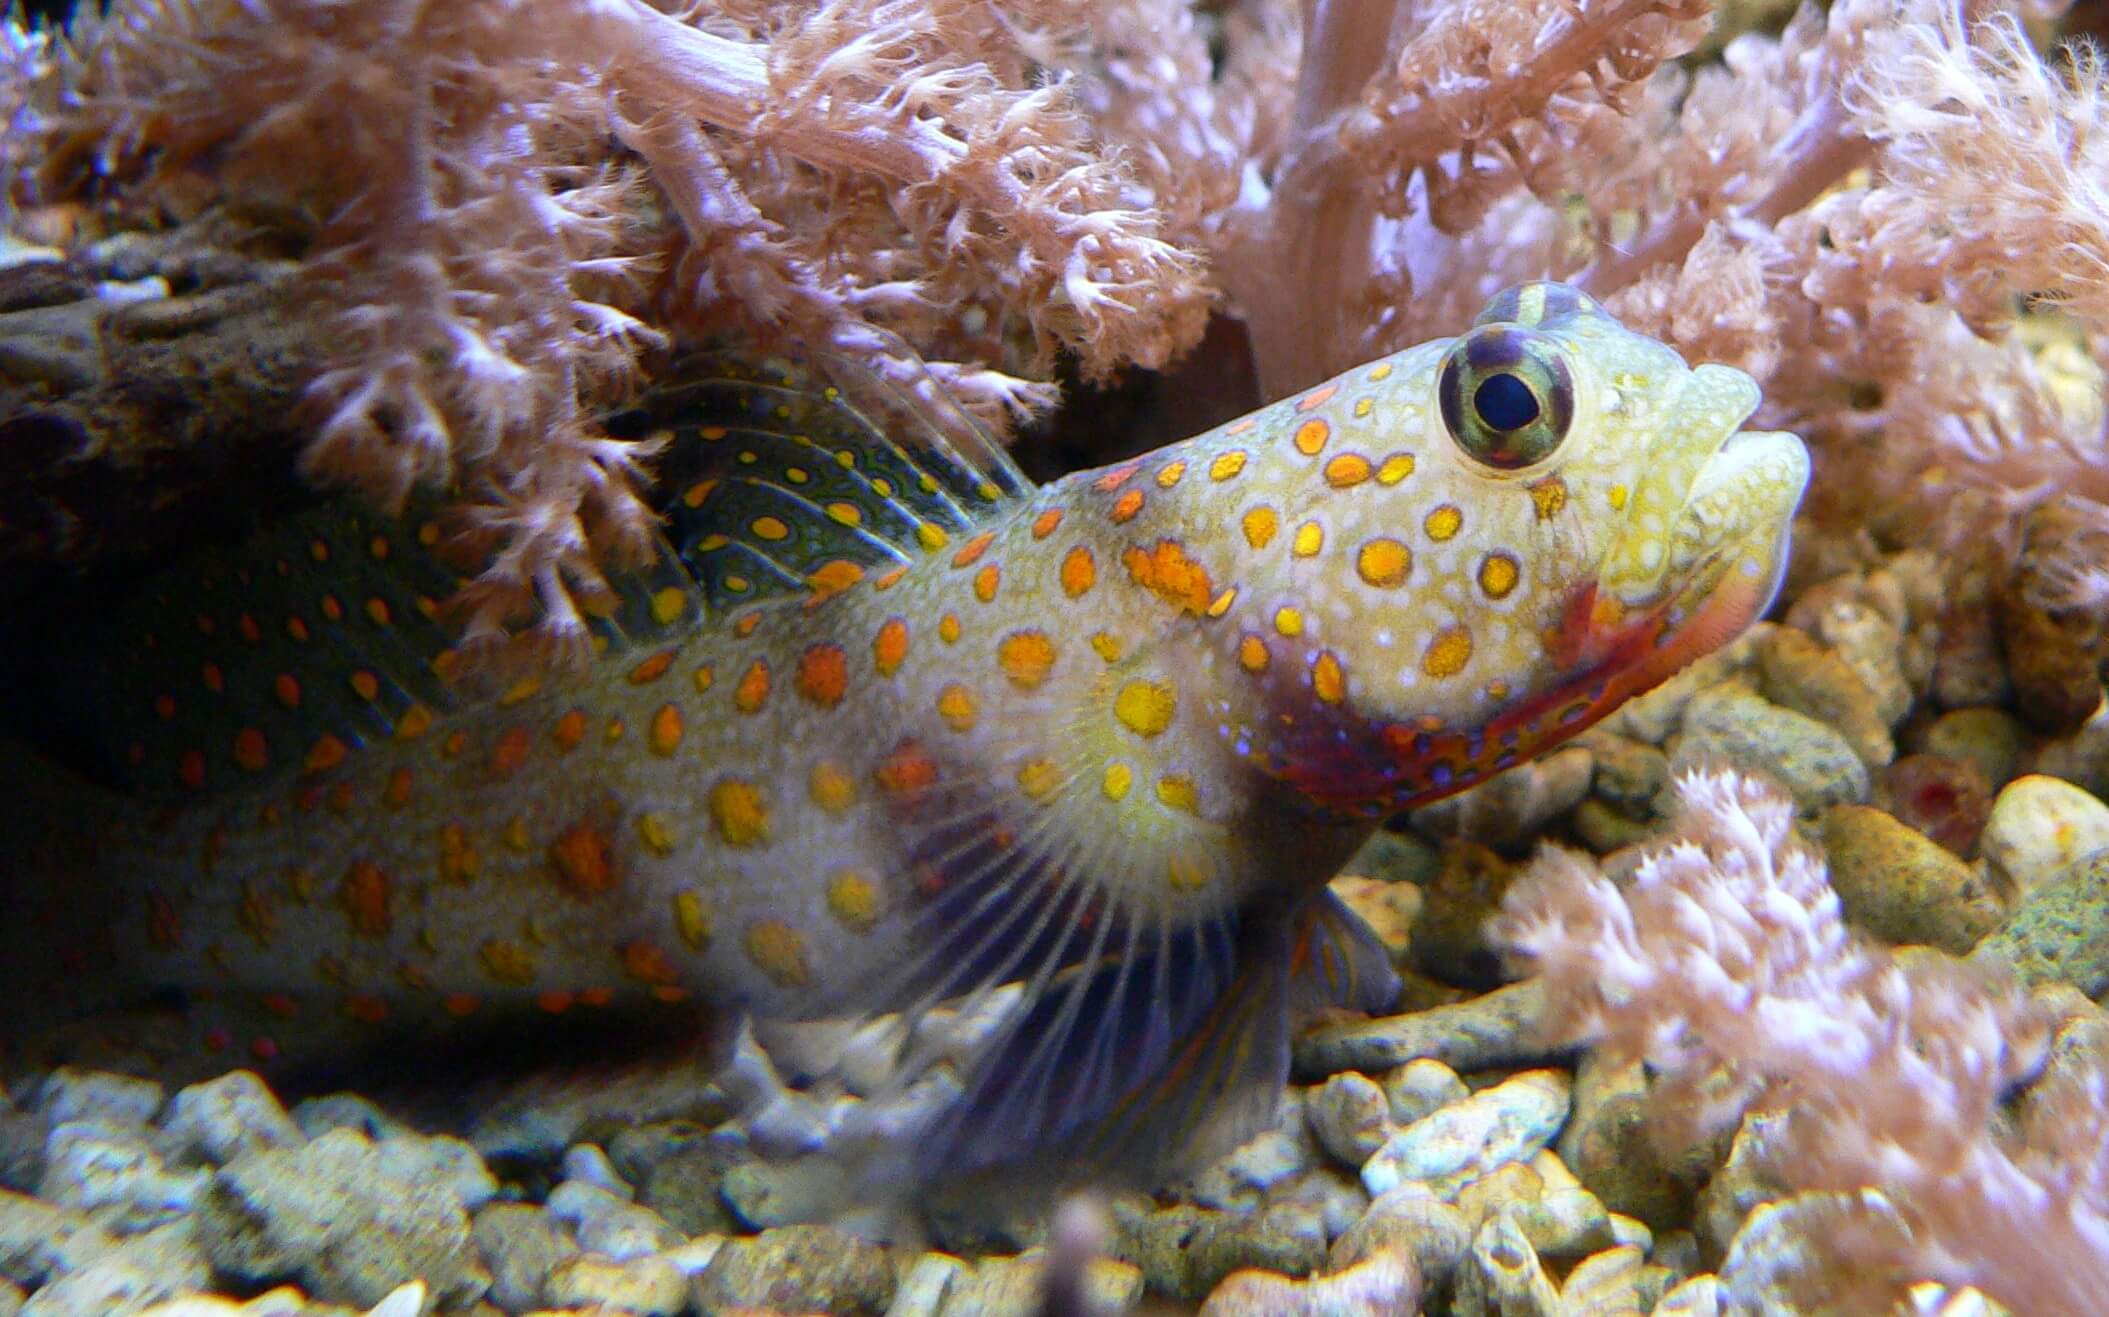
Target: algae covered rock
point(332, 1217)
point(1902, 887)
point(798, 1269)
point(1730, 723)
point(2059, 933)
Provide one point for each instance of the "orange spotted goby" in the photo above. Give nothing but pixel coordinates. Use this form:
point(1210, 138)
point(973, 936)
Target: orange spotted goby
point(890, 726)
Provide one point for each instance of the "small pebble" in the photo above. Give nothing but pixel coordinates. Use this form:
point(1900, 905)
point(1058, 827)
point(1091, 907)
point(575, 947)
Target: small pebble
point(607, 1224)
point(228, 1116)
point(1449, 1148)
point(1419, 1087)
point(1730, 723)
point(2059, 931)
point(2038, 826)
point(1947, 799)
point(1383, 1285)
point(1982, 734)
point(646, 1286)
point(1497, 1028)
point(521, 1245)
point(1351, 1117)
point(1900, 886)
point(69, 1094)
point(800, 1269)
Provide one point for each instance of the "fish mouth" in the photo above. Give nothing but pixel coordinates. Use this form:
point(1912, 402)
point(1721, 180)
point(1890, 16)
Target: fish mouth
point(1705, 546)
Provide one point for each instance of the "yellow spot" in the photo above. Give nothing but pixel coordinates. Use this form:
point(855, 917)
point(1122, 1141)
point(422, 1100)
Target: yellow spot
point(1363, 406)
point(696, 493)
point(1044, 524)
point(948, 628)
point(1107, 646)
point(1260, 525)
point(889, 649)
point(1222, 602)
point(1252, 653)
point(753, 690)
point(1226, 466)
point(1381, 371)
point(1384, 562)
point(1550, 495)
point(1171, 474)
point(1618, 498)
point(769, 528)
point(1448, 652)
point(692, 919)
point(1119, 778)
point(1039, 779)
point(797, 475)
point(1146, 707)
point(1288, 620)
point(1169, 573)
point(1497, 575)
point(1079, 572)
point(931, 536)
point(1186, 873)
point(459, 862)
point(1347, 470)
point(779, 951)
point(1396, 468)
point(507, 961)
point(613, 731)
point(1178, 793)
point(1311, 436)
point(666, 729)
point(1126, 506)
point(516, 835)
point(428, 534)
point(1027, 657)
point(957, 706)
point(705, 677)
point(1328, 682)
point(847, 514)
point(657, 832)
point(985, 582)
point(1309, 539)
point(519, 692)
point(823, 675)
point(853, 899)
point(739, 812)
point(1443, 522)
point(833, 789)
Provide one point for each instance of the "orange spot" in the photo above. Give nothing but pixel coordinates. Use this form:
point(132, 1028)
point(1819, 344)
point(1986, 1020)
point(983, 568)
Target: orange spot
point(327, 753)
point(973, 549)
point(1328, 681)
point(653, 668)
point(281, 1005)
point(569, 730)
point(555, 1001)
point(415, 722)
point(365, 685)
point(459, 1005)
point(889, 649)
point(297, 629)
point(331, 609)
point(165, 707)
point(1384, 562)
point(907, 770)
point(1448, 652)
point(596, 996)
point(215, 680)
point(251, 632)
point(1167, 572)
point(889, 579)
point(666, 729)
point(580, 858)
point(1079, 572)
point(957, 706)
point(985, 582)
point(1126, 506)
point(287, 689)
point(753, 690)
point(1311, 436)
point(377, 611)
point(1261, 525)
point(744, 627)
point(365, 895)
point(1252, 653)
point(739, 811)
point(1044, 524)
point(1317, 397)
point(1027, 657)
point(1347, 470)
point(366, 1008)
point(510, 752)
point(647, 963)
point(1115, 478)
point(948, 628)
point(397, 792)
point(250, 751)
point(831, 579)
point(823, 675)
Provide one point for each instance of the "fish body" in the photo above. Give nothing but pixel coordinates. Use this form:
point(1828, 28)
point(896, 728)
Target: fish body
point(1107, 738)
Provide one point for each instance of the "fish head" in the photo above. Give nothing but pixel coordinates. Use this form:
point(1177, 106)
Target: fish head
point(1581, 515)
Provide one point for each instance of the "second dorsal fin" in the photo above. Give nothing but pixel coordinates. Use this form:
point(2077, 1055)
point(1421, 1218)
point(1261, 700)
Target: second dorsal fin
point(778, 479)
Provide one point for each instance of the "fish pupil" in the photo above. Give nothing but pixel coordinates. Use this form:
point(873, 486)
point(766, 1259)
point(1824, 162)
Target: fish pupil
point(1505, 403)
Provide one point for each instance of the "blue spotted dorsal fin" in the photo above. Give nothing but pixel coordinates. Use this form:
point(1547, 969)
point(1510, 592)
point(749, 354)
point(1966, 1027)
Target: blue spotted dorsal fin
point(782, 478)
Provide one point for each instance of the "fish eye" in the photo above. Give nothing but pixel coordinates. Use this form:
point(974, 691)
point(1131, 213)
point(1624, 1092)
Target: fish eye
point(1507, 396)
